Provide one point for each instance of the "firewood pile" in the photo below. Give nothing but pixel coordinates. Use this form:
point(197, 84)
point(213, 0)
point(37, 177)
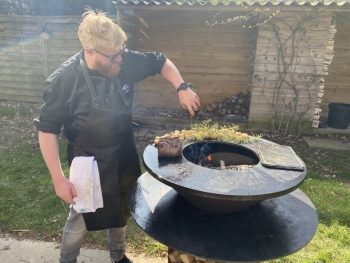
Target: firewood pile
point(178, 257)
point(237, 105)
point(329, 55)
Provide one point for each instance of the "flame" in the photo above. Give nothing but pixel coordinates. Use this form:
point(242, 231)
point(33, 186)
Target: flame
point(209, 157)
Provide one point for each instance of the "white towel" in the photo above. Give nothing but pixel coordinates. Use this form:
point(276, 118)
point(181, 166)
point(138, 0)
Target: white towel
point(85, 177)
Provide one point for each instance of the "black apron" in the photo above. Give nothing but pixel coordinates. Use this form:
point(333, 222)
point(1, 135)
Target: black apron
point(108, 135)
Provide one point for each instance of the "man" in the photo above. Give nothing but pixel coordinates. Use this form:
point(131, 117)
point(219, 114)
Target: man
point(91, 95)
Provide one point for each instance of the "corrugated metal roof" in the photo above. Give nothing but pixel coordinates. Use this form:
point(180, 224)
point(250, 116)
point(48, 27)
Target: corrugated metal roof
point(236, 2)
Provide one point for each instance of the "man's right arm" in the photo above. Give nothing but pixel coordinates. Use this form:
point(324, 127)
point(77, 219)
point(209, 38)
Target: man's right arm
point(49, 149)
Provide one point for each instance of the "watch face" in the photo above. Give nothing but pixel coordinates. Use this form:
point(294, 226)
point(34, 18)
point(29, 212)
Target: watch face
point(183, 86)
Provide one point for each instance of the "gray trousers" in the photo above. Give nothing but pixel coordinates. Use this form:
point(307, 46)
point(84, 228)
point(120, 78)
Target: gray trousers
point(73, 236)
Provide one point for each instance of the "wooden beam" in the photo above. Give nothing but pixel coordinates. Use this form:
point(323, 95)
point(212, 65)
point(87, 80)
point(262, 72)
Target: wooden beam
point(18, 19)
point(182, 7)
point(43, 48)
point(13, 77)
point(119, 18)
point(21, 97)
point(231, 8)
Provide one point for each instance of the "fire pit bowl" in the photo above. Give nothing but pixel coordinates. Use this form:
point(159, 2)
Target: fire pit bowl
point(221, 177)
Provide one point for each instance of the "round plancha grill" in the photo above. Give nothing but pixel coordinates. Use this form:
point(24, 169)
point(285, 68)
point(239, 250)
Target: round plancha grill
point(212, 188)
point(198, 205)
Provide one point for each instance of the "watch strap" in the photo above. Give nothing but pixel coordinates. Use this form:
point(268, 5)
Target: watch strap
point(181, 87)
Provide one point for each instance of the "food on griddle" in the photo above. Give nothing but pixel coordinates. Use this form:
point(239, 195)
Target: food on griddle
point(207, 130)
point(169, 147)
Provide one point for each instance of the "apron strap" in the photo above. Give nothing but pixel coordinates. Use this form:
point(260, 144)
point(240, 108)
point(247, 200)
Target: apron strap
point(89, 82)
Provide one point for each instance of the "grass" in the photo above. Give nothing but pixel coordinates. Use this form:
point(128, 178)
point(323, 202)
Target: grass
point(332, 240)
point(27, 199)
point(28, 202)
point(328, 186)
point(7, 111)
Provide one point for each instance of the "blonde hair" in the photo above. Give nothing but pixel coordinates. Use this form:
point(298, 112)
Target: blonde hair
point(98, 31)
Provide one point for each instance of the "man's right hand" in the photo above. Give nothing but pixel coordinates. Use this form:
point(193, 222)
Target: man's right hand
point(49, 149)
point(65, 190)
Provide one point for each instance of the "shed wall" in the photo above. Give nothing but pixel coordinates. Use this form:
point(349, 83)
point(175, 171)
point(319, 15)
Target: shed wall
point(216, 59)
point(304, 57)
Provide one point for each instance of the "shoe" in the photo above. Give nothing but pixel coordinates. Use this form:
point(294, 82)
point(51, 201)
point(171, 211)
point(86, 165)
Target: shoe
point(123, 260)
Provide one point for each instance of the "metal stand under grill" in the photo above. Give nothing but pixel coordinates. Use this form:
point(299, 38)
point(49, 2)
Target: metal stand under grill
point(272, 229)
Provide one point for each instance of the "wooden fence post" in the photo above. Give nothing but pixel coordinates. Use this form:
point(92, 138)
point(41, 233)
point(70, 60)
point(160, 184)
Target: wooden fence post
point(43, 46)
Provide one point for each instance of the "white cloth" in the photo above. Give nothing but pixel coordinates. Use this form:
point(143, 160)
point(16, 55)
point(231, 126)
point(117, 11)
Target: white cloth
point(85, 177)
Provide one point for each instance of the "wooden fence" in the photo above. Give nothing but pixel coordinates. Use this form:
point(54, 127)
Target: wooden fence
point(31, 48)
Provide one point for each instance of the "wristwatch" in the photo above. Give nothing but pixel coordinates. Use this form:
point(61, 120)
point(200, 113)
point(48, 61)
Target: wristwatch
point(183, 86)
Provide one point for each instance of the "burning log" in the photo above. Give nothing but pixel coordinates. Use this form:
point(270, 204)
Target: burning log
point(222, 165)
point(205, 157)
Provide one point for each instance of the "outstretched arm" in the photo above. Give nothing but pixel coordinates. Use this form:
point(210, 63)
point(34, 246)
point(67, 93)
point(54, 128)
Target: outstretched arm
point(49, 149)
point(188, 99)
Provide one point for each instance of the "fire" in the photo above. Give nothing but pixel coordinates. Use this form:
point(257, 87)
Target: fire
point(209, 157)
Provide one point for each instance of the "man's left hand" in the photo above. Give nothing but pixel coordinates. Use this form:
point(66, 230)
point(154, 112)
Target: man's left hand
point(189, 100)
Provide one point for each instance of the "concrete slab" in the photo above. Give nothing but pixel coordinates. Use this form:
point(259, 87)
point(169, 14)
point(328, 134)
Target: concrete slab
point(14, 251)
point(329, 130)
point(330, 144)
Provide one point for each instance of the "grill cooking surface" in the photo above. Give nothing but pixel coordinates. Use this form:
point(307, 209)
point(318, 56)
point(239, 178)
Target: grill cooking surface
point(248, 184)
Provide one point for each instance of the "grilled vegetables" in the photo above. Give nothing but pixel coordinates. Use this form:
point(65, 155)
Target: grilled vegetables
point(207, 130)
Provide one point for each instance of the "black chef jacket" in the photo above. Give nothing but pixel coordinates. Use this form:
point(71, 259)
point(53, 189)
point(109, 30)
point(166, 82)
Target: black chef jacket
point(67, 99)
